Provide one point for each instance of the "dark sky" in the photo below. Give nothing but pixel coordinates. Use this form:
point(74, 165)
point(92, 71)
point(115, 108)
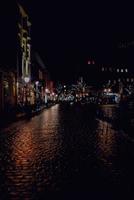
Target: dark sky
point(68, 33)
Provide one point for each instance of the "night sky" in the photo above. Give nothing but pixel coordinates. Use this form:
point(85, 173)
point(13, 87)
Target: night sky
point(68, 34)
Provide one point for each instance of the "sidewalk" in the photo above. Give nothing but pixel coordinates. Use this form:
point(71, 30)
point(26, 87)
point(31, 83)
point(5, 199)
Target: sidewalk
point(9, 118)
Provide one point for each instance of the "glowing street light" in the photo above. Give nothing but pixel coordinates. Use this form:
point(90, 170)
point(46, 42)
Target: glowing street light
point(26, 79)
point(105, 90)
point(37, 83)
point(47, 90)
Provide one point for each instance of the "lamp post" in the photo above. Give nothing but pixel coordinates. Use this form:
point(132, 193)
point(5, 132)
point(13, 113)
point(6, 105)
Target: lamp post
point(36, 84)
point(27, 103)
point(46, 95)
point(26, 79)
point(36, 94)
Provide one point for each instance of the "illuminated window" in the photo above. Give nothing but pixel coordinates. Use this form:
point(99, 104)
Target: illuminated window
point(121, 70)
point(126, 70)
point(118, 70)
point(102, 69)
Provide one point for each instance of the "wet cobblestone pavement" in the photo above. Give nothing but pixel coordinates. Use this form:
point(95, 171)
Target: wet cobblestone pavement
point(66, 151)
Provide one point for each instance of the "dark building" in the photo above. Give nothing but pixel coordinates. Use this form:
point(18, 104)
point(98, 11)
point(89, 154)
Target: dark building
point(8, 52)
point(24, 90)
point(14, 52)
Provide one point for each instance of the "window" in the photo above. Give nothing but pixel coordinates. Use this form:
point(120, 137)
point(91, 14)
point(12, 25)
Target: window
point(126, 70)
point(121, 70)
point(118, 70)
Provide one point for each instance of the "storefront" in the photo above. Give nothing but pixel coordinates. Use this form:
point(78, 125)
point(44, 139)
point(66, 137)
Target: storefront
point(7, 91)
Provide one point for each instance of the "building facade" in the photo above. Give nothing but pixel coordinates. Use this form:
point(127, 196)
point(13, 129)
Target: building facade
point(24, 89)
point(119, 78)
point(8, 37)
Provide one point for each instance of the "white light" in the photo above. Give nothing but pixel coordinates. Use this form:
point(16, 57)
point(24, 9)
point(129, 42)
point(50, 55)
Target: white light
point(37, 82)
point(105, 90)
point(109, 90)
point(121, 70)
point(117, 70)
point(26, 79)
point(126, 70)
point(47, 90)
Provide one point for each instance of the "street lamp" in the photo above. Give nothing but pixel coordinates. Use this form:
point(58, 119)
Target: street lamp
point(27, 102)
point(46, 95)
point(36, 92)
point(26, 79)
point(47, 90)
point(105, 90)
point(109, 90)
point(36, 83)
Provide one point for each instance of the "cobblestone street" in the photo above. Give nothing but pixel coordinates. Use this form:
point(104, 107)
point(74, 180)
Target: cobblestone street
point(65, 150)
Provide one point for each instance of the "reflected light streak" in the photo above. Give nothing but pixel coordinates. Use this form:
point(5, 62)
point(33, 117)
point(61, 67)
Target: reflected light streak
point(106, 142)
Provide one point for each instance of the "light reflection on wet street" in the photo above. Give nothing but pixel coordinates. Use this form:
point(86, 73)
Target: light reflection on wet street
point(65, 149)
